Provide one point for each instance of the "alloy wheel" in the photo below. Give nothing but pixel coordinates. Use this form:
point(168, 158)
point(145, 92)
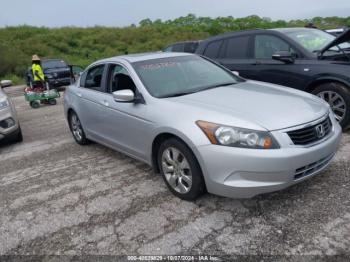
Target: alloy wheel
point(336, 102)
point(177, 170)
point(76, 127)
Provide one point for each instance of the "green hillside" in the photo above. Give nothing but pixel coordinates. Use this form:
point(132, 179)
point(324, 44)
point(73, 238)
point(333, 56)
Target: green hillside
point(82, 46)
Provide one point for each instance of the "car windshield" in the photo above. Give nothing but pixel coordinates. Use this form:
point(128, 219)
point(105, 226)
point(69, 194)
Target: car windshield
point(181, 75)
point(53, 64)
point(315, 40)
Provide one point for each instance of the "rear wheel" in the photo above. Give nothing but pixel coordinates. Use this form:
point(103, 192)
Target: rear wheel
point(338, 97)
point(77, 129)
point(180, 170)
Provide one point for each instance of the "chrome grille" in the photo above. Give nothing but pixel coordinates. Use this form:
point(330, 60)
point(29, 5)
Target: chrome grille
point(311, 134)
point(312, 168)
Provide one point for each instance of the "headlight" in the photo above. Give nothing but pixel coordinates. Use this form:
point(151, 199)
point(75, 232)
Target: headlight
point(237, 137)
point(4, 103)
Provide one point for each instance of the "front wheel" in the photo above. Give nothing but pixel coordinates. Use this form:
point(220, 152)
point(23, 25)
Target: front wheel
point(338, 97)
point(180, 170)
point(77, 129)
point(34, 104)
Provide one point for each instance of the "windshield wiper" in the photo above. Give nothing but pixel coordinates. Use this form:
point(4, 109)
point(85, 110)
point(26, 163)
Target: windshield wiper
point(199, 90)
point(179, 94)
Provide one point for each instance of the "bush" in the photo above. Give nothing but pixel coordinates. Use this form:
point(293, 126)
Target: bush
point(81, 46)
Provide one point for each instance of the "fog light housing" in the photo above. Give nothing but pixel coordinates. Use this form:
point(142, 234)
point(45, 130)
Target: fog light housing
point(7, 123)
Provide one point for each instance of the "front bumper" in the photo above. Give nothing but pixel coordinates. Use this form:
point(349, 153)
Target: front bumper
point(244, 173)
point(5, 130)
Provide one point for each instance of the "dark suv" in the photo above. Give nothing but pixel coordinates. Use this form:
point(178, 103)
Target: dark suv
point(57, 73)
point(307, 59)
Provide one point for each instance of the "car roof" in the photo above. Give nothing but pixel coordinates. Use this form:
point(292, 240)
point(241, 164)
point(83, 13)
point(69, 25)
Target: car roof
point(257, 30)
point(234, 33)
point(294, 29)
point(132, 58)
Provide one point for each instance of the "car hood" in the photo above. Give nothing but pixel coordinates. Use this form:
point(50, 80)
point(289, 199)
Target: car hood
point(344, 37)
point(272, 107)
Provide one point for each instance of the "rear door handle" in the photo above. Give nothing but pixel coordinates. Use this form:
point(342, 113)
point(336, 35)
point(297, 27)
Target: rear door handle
point(105, 103)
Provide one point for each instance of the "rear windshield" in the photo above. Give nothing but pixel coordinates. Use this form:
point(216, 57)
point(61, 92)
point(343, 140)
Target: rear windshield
point(53, 64)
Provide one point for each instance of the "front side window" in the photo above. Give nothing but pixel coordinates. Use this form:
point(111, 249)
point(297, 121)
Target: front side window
point(93, 78)
point(213, 49)
point(267, 45)
point(175, 76)
point(119, 79)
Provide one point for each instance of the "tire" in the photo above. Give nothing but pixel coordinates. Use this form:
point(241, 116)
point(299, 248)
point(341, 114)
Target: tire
point(19, 136)
point(77, 129)
point(16, 137)
point(186, 182)
point(341, 104)
point(52, 101)
point(35, 104)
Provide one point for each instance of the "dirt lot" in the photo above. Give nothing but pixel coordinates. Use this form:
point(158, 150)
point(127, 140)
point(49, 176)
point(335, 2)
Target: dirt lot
point(57, 197)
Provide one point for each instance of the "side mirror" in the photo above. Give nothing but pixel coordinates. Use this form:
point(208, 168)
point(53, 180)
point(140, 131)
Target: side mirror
point(125, 95)
point(283, 56)
point(5, 83)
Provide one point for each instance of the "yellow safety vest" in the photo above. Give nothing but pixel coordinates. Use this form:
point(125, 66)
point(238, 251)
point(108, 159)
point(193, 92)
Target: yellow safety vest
point(39, 71)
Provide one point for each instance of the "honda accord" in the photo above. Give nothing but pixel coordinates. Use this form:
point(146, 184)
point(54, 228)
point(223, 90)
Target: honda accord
point(201, 126)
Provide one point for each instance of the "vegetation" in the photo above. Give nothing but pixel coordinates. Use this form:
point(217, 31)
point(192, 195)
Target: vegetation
point(81, 46)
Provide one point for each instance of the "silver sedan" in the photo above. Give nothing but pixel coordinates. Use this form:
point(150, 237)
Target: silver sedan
point(202, 127)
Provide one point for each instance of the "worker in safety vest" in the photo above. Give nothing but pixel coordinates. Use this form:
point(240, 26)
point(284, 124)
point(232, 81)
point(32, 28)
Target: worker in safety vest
point(38, 74)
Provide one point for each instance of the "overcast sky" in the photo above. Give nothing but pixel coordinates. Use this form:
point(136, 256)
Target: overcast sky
point(55, 13)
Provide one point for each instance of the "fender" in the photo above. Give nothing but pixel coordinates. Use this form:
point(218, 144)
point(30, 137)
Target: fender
point(329, 78)
point(182, 136)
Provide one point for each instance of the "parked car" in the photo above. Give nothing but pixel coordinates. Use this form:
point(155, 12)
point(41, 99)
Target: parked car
point(201, 126)
point(10, 130)
point(186, 47)
point(57, 73)
point(306, 59)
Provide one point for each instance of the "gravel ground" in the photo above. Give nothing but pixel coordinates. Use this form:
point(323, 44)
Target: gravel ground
point(57, 197)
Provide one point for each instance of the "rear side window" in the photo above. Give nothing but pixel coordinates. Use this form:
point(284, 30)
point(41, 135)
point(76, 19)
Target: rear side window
point(178, 48)
point(93, 78)
point(191, 47)
point(237, 47)
point(213, 49)
point(267, 45)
